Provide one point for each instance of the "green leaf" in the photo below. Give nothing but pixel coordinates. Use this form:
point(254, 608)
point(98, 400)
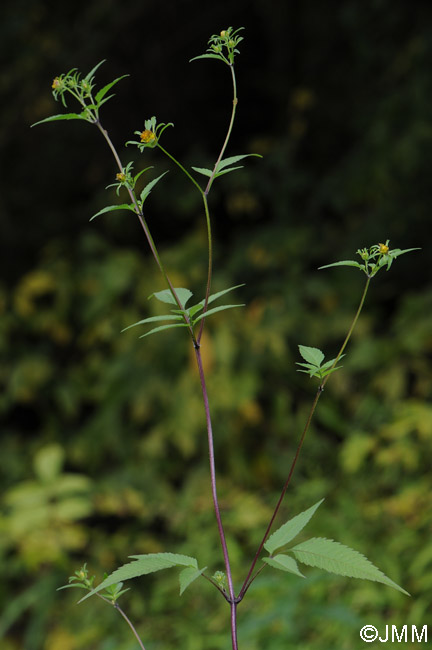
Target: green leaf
point(153, 319)
point(227, 171)
point(284, 563)
point(311, 355)
point(209, 312)
point(203, 170)
point(103, 91)
point(291, 529)
point(206, 56)
point(148, 188)
point(110, 208)
point(187, 576)
point(167, 297)
point(93, 70)
point(62, 116)
point(344, 263)
point(163, 327)
point(234, 159)
point(342, 560)
point(143, 565)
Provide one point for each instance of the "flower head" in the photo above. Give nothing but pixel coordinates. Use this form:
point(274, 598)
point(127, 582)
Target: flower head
point(57, 82)
point(383, 249)
point(147, 136)
point(121, 177)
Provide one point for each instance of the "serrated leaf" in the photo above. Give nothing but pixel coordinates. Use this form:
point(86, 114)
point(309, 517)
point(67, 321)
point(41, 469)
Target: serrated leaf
point(153, 319)
point(311, 355)
point(148, 188)
point(234, 159)
point(111, 208)
point(343, 263)
point(187, 576)
point(160, 329)
point(167, 297)
point(284, 563)
point(103, 91)
point(203, 170)
point(291, 529)
point(143, 565)
point(209, 312)
point(335, 558)
point(61, 116)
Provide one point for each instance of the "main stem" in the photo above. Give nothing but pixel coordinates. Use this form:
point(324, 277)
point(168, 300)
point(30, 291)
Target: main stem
point(249, 578)
point(232, 599)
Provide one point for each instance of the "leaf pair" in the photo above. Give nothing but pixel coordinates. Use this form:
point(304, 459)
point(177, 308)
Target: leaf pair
point(223, 164)
point(320, 552)
point(314, 358)
point(150, 563)
point(181, 317)
point(131, 206)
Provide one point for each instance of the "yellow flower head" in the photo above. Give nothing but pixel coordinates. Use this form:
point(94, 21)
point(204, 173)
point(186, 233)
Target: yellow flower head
point(56, 83)
point(223, 33)
point(383, 249)
point(121, 177)
point(147, 136)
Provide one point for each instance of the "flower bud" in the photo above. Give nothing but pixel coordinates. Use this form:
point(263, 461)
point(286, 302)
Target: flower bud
point(223, 33)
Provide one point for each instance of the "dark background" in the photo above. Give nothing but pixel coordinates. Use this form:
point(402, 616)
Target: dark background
point(103, 441)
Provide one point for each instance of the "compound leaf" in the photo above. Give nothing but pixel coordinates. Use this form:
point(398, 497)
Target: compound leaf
point(311, 355)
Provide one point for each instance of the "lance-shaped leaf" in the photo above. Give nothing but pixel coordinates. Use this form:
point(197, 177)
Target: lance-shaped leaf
point(284, 563)
point(291, 529)
point(167, 297)
point(342, 560)
point(209, 312)
point(103, 91)
point(163, 327)
point(92, 71)
point(203, 170)
point(143, 565)
point(148, 188)
point(61, 116)
point(215, 296)
point(111, 208)
point(344, 263)
point(206, 56)
point(153, 319)
point(187, 576)
point(226, 162)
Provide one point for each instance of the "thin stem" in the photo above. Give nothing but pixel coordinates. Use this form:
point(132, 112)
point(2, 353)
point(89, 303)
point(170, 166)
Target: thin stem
point(215, 497)
point(146, 229)
point(128, 621)
point(206, 192)
point(249, 578)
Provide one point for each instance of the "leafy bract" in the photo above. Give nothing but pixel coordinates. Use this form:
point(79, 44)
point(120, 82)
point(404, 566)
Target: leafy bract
point(284, 563)
point(342, 560)
point(290, 529)
point(143, 565)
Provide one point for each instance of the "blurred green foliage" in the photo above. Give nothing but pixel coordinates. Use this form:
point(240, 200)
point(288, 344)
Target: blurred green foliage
point(104, 451)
